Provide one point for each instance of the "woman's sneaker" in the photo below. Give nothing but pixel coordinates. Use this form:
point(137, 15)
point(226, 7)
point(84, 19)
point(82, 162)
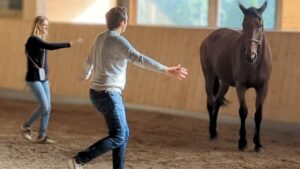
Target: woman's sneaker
point(45, 140)
point(26, 132)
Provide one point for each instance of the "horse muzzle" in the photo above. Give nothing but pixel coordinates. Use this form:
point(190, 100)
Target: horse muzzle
point(252, 58)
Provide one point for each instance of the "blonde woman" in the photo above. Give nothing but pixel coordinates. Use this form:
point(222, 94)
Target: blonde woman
point(37, 68)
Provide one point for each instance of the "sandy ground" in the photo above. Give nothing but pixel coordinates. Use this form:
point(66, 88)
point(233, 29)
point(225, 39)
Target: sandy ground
point(157, 141)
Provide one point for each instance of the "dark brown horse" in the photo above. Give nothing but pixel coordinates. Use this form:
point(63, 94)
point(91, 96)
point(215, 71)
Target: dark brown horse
point(240, 59)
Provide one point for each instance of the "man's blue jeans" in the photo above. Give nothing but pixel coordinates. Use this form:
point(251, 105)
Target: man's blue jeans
point(41, 91)
point(111, 106)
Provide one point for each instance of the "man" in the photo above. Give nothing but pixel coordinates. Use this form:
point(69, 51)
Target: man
point(108, 59)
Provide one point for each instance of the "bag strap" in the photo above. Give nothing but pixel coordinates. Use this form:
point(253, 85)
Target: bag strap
point(35, 64)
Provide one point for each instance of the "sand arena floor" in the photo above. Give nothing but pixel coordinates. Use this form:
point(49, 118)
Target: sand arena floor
point(157, 141)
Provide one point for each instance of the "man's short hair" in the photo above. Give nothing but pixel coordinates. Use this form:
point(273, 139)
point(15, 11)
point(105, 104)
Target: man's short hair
point(115, 16)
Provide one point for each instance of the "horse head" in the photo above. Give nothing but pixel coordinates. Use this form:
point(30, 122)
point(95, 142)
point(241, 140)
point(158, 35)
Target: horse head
point(252, 31)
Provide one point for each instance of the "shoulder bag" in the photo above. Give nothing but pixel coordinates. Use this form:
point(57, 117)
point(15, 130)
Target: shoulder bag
point(41, 70)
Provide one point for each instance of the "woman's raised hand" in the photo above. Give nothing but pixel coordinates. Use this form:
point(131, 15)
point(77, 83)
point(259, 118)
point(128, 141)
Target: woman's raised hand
point(77, 41)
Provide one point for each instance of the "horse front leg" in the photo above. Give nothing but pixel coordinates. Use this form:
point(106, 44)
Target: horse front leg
point(260, 97)
point(243, 112)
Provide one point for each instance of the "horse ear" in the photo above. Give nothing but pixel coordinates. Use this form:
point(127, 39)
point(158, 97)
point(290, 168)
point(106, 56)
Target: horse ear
point(263, 7)
point(244, 10)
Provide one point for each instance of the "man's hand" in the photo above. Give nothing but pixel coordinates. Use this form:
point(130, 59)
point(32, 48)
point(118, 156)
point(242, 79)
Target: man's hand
point(177, 71)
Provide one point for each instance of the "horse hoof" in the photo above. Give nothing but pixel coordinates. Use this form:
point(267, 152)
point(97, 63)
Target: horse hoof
point(258, 148)
point(242, 145)
point(242, 148)
point(213, 137)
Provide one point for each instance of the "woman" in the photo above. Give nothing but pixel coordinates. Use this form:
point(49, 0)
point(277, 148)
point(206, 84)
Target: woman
point(36, 77)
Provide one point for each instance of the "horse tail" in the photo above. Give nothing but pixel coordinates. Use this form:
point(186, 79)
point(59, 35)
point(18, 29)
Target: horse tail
point(224, 101)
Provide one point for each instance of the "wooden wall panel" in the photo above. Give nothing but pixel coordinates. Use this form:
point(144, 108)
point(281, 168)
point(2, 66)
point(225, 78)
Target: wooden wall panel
point(12, 59)
point(73, 9)
point(290, 15)
point(170, 46)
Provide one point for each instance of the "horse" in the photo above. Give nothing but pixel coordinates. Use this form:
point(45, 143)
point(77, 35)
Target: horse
point(241, 59)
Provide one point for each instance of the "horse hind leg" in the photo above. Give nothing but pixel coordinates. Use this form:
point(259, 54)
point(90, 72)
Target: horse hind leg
point(210, 78)
point(210, 106)
point(261, 94)
point(215, 98)
point(219, 101)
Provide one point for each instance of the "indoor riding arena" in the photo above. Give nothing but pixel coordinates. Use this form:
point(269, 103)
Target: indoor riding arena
point(167, 118)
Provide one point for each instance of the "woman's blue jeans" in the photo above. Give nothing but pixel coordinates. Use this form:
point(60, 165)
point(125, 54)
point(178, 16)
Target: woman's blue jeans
point(111, 106)
point(41, 91)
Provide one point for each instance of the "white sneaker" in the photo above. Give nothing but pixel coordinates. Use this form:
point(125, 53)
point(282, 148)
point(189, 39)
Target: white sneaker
point(26, 132)
point(73, 165)
point(45, 140)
